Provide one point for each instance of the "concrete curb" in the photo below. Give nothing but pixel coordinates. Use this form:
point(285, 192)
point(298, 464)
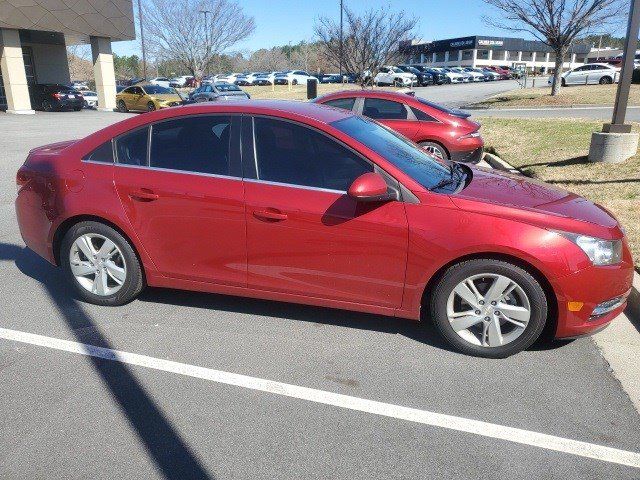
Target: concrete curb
point(499, 164)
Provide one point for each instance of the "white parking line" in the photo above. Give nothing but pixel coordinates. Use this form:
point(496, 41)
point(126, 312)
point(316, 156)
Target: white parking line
point(450, 422)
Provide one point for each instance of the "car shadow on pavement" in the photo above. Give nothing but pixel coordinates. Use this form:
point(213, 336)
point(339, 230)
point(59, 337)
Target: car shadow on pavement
point(170, 452)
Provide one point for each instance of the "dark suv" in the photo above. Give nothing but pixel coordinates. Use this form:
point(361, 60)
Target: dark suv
point(49, 97)
point(424, 78)
point(438, 77)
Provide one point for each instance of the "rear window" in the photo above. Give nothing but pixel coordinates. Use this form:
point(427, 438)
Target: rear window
point(227, 87)
point(344, 103)
point(131, 148)
point(380, 109)
point(102, 154)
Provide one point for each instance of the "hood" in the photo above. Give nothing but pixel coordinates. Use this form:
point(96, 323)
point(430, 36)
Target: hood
point(516, 191)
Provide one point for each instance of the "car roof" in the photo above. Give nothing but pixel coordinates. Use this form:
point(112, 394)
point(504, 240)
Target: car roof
point(366, 93)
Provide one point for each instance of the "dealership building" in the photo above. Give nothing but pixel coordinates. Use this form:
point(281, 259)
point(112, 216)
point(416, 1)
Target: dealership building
point(34, 35)
point(479, 51)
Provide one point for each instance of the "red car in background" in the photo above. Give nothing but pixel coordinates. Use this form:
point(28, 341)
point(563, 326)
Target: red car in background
point(503, 72)
point(443, 132)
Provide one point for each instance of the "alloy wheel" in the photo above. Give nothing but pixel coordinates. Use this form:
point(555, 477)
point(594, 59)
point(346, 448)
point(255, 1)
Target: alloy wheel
point(488, 310)
point(97, 264)
point(434, 151)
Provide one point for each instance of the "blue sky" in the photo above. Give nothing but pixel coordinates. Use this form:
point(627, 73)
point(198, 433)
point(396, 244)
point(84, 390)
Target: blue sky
point(281, 21)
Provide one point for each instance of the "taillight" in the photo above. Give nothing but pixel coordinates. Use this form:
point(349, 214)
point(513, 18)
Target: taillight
point(21, 179)
point(475, 134)
point(56, 95)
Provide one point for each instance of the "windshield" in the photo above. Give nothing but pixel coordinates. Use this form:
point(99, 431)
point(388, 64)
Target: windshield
point(402, 153)
point(395, 70)
point(227, 87)
point(157, 90)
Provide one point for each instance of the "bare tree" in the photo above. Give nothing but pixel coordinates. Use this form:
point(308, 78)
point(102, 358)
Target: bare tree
point(370, 40)
point(267, 60)
point(80, 66)
point(305, 56)
point(181, 31)
point(557, 23)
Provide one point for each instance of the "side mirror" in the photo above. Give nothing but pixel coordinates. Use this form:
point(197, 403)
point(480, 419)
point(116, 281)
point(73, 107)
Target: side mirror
point(370, 187)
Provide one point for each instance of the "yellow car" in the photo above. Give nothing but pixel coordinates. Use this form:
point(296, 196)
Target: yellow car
point(147, 97)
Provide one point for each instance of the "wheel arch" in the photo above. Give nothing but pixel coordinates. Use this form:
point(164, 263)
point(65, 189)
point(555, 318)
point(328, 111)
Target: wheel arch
point(66, 225)
point(552, 323)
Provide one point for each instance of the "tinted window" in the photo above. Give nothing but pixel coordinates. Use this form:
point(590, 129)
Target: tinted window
point(378, 108)
point(131, 148)
point(344, 103)
point(104, 153)
point(297, 155)
point(194, 144)
point(420, 115)
point(404, 154)
point(158, 90)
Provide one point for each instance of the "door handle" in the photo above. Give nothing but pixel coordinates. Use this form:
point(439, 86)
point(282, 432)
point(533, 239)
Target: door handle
point(270, 214)
point(143, 195)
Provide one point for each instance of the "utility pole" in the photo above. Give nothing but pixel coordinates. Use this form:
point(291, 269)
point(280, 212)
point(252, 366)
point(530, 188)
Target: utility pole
point(144, 55)
point(617, 124)
point(341, 37)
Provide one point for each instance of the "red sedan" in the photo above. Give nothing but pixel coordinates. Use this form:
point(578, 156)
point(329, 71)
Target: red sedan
point(299, 202)
point(443, 132)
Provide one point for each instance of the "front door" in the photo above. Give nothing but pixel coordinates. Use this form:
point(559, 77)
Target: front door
point(184, 197)
point(305, 236)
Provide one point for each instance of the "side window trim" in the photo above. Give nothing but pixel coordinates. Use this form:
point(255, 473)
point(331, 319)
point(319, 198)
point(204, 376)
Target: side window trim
point(391, 180)
point(234, 150)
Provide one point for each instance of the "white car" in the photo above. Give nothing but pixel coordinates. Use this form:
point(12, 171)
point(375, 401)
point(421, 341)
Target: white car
point(475, 76)
point(162, 81)
point(80, 86)
point(467, 75)
point(453, 77)
point(180, 81)
point(590, 74)
point(390, 75)
point(294, 77)
point(90, 99)
point(228, 77)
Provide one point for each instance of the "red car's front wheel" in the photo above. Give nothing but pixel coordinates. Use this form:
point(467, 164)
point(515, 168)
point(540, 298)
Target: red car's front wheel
point(489, 308)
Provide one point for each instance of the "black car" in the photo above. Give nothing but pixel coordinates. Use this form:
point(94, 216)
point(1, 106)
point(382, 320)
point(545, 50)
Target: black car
point(424, 78)
point(438, 77)
point(49, 97)
point(332, 78)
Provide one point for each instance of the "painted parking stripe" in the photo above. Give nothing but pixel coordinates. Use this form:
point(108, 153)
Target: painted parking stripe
point(450, 422)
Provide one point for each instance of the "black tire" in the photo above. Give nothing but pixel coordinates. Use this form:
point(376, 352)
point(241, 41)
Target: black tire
point(77, 109)
point(398, 82)
point(606, 81)
point(47, 106)
point(122, 107)
point(563, 82)
point(458, 273)
point(447, 81)
point(294, 82)
point(134, 281)
point(151, 107)
point(437, 147)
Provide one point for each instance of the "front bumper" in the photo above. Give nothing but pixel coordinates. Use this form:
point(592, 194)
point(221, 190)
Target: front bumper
point(591, 287)
point(468, 156)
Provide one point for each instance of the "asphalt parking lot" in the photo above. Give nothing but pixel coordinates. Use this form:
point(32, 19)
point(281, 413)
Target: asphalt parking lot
point(74, 412)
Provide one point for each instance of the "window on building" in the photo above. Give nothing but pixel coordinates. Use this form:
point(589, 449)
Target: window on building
point(483, 55)
point(293, 154)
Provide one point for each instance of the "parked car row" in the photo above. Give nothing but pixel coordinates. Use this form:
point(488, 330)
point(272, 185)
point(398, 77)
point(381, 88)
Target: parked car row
point(590, 74)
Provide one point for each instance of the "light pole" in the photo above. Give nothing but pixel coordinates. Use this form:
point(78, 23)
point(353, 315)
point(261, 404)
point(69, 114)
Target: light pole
point(617, 124)
point(144, 55)
point(341, 38)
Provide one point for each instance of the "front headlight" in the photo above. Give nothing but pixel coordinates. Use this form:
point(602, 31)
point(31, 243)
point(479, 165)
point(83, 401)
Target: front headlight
point(600, 252)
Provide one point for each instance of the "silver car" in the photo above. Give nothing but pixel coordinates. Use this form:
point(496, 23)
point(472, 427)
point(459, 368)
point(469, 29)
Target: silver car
point(218, 91)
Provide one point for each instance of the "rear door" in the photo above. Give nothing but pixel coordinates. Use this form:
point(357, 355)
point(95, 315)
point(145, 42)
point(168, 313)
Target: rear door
point(394, 115)
point(184, 196)
point(305, 235)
